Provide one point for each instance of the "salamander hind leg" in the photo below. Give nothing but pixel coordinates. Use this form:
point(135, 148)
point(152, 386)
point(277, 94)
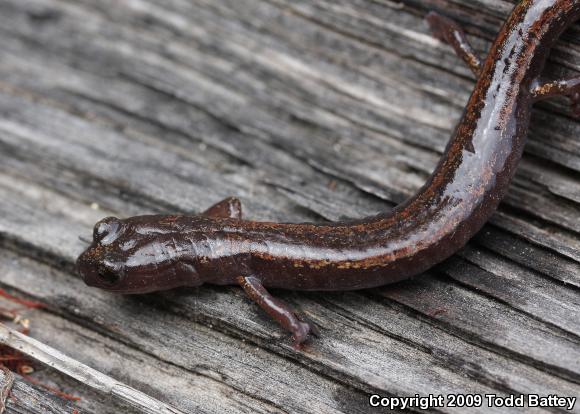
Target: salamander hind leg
point(563, 87)
point(450, 32)
point(230, 207)
point(278, 310)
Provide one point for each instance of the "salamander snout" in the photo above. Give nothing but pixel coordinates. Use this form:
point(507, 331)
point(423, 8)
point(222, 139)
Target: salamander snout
point(99, 271)
point(97, 265)
point(110, 273)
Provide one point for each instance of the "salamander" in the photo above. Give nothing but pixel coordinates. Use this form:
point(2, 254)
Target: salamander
point(157, 252)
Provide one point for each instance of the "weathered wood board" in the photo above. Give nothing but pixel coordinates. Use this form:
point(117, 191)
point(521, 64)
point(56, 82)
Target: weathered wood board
point(307, 111)
point(26, 398)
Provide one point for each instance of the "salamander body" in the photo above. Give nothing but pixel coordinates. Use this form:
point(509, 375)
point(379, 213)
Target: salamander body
point(150, 253)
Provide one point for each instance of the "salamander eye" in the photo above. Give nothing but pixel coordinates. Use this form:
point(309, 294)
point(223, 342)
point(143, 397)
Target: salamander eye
point(106, 227)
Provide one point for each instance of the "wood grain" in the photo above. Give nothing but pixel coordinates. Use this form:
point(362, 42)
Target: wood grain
point(307, 111)
point(19, 396)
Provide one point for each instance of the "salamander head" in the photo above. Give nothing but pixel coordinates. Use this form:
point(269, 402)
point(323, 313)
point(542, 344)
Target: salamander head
point(137, 255)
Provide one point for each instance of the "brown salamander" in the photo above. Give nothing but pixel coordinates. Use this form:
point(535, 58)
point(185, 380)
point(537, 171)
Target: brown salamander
point(156, 252)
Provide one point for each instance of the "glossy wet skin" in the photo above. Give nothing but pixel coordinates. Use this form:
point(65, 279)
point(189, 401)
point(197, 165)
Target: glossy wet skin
point(155, 252)
point(132, 256)
point(149, 253)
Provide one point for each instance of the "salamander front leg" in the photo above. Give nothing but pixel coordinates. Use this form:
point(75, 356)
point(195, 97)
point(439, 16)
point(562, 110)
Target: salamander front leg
point(563, 87)
point(230, 207)
point(280, 311)
point(450, 32)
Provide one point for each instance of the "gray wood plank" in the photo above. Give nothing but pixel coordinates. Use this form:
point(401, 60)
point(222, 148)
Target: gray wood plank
point(21, 397)
point(306, 111)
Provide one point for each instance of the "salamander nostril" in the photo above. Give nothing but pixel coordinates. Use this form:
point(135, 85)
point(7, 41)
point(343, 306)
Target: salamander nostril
point(107, 275)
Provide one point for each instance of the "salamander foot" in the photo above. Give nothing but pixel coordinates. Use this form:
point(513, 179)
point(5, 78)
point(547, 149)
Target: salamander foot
point(447, 30)
point(279, 310)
